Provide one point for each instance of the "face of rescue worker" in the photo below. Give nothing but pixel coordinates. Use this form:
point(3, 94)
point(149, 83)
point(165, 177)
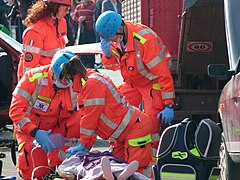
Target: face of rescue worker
point(62, 11)
point(118, 37)
point(61, 83)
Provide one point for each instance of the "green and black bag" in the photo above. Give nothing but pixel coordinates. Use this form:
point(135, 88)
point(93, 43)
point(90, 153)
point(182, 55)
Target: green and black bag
point(189, 151)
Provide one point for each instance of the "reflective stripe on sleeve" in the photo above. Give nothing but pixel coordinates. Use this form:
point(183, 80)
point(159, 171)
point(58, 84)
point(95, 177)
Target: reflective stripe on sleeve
point(22, 122)
point(115, 94)
point(140, 65)
point(94, 101)
point(154, 62)
point(113, 91)
point(87, 131)
point(168, 95)
point(25, 69)
point(40, 51)
point(124, 123)
point(108, 122)
point(22, 92)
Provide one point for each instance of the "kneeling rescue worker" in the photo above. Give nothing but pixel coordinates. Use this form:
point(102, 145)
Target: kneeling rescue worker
point(43, 103)
point(107, 114)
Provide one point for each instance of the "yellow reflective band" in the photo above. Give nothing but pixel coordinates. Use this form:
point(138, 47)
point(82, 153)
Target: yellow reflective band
point(21, 146)
point(157, 87)
point(170, 175)
point(140, 141)
point(195, 152)
point(154, 159)
point(116, 53)
point(214, 177)
point(83, 81)
point(179, 155)
point(140, 38)
point(44, 98)
point(38, 75)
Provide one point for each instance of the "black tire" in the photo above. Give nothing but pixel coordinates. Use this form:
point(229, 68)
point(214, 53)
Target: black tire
point(229, 169)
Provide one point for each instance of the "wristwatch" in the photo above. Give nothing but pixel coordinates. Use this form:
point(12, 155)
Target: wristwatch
point(34, 132)
point(169, 105)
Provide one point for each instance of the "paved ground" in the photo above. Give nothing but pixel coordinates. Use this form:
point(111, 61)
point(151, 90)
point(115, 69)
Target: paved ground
point(10, 170)
point(8, 167)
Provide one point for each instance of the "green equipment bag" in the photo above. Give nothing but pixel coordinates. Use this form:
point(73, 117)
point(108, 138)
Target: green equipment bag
point(189, 151)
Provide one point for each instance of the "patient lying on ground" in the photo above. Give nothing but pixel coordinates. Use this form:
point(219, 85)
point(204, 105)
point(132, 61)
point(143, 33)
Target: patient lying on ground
point(99, 166)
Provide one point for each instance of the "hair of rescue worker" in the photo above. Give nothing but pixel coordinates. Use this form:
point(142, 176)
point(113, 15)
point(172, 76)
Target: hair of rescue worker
point(40, 10)
point(74, 67)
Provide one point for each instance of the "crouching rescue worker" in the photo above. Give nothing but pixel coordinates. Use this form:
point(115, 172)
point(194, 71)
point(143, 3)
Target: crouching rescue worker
point(43, 103)
point(46, 33)
point(143, 59)
point(107, 114)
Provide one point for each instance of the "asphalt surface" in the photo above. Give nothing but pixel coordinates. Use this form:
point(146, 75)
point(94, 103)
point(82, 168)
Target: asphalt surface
point(9, 168)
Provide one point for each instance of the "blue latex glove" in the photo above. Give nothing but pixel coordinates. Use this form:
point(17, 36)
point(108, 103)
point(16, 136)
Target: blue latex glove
point(45, 142)
point(105, 45)
point(75, 150)
point(166, 115)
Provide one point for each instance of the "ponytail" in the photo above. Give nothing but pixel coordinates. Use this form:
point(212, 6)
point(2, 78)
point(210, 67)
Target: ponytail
point(74, 67)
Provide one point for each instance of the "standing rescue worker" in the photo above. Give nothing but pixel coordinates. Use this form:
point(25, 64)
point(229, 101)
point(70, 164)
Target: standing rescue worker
point(46, 33)
point(43, 103)
point(107, 114)
point(143, 59)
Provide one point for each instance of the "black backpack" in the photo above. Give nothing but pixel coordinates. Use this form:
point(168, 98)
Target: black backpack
point(189, 151)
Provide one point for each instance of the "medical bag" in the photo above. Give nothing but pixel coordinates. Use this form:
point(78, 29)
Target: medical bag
point(189, 151)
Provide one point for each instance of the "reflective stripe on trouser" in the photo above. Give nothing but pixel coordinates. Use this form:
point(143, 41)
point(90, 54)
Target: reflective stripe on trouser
point(69, 126)
point(129, 153)
point(153, 104)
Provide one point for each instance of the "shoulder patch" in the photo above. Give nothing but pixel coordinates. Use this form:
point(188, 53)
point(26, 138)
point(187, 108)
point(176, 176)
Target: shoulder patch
point(28, 57)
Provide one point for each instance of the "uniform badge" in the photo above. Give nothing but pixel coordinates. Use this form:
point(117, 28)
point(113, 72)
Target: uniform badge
point(43, 81)
point(28, 57)
point(131, 68)
point(41, 105)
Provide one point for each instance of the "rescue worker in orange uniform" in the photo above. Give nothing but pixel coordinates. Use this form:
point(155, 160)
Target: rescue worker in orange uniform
point(107, 114)
point(143, 59)
point(43, 103)
point(46, 33)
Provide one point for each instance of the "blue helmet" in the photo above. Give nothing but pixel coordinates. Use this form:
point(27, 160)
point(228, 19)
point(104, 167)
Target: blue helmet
point(108, 23)
point(61, 57)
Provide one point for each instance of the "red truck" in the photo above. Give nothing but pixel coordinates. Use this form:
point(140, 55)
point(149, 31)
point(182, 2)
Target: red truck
point(203, 38)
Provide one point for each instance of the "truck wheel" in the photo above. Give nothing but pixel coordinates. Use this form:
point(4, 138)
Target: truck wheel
point(229, 169)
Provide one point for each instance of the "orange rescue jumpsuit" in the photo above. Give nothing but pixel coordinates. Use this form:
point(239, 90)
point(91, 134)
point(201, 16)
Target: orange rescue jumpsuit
point(144, 68)
point(107, 114)
point(40, 43)
point(36, 104)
